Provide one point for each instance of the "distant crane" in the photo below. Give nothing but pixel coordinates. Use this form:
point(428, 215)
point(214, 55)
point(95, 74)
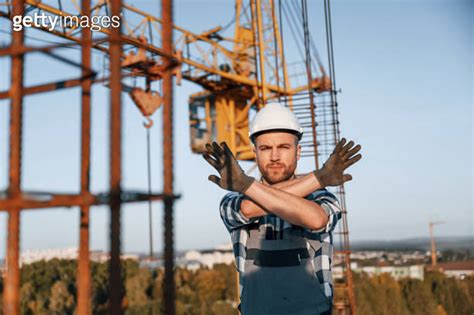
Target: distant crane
point(433, 245)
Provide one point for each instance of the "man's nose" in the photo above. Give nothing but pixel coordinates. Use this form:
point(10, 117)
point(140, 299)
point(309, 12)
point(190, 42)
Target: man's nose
point(275, 156)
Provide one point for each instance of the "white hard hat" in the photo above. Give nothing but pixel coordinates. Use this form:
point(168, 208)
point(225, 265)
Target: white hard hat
point(274, 117)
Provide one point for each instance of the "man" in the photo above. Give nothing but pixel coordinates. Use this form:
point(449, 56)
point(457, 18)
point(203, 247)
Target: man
point(281, 226)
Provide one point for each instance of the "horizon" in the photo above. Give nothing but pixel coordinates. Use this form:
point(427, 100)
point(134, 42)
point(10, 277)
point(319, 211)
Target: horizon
point(145, 253)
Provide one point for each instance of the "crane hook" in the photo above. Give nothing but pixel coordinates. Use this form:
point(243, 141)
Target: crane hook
point(149, 123)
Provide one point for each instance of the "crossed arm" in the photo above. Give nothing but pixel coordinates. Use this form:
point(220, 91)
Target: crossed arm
point(286, 200)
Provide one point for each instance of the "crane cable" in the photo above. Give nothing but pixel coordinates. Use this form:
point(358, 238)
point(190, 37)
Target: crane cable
point(293, 32)
point(277, 69)
point(285, 84)
point(327, 12)
point(316, 56)
point(296, 12)
point(254, 30)
point(150, 217)
point(332, 76)
point(304, 13)
point(292, 14)
point(150, 212)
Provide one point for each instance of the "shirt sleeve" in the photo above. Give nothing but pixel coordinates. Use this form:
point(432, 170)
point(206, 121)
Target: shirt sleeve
point(230, 211)
point(330, 205)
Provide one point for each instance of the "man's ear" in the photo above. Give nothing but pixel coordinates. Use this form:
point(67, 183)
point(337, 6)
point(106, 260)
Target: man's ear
point(298, 151)
point(254, 150)
point(253, 145)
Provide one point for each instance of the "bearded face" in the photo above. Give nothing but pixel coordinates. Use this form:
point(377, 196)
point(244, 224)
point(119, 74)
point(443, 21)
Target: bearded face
point(277, 154)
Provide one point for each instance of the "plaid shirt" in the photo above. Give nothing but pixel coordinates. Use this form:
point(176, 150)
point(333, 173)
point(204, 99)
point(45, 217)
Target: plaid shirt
point(236, 223)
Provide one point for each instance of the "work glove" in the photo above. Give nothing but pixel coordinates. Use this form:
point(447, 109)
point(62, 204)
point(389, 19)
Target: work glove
point(232, 176)
point(331, 174)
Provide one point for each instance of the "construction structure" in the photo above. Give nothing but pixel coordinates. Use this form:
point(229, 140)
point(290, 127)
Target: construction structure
point(239, 74)
point(434, 256)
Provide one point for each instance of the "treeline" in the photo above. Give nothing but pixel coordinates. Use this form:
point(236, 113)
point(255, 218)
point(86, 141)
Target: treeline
point(436, 294)
point(50, 288)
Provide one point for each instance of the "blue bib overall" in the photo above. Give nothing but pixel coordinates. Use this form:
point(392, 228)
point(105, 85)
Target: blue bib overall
point(279, 276)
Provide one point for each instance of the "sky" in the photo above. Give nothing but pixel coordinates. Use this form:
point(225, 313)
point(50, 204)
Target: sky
point(405, 71)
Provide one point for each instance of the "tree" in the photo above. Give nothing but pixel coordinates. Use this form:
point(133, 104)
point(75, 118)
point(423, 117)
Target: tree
point(391, 301)
point(50, 288)
point(418, 297)
point(61, 301)
point(363, 290)
point(157, 290)
point(137, 288)
point(210, 286)
point(100, 288)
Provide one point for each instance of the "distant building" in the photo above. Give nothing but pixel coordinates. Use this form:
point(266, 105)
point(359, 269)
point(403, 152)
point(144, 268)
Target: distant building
point(457, 269)
point(152, 263)
point(338, 271)
point(397, 272)
point(195, 259)
point(397, 257)
point(31, 256)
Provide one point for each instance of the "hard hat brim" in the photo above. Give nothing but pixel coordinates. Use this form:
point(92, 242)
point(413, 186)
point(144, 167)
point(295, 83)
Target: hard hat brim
point(294, 132)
